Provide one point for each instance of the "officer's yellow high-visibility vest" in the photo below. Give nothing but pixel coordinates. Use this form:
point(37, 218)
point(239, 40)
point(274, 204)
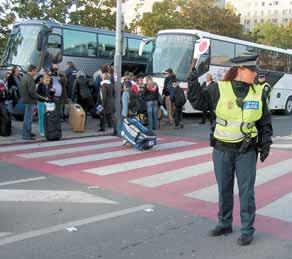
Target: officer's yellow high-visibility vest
point(231, 120)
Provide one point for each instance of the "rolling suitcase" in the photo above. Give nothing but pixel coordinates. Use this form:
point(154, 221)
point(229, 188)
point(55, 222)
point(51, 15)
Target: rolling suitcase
point(133, 132)
point(53, 127)
point(5, 121)
point(77, 117)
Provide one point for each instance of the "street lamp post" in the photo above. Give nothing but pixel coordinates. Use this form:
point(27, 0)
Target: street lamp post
point(118, 62)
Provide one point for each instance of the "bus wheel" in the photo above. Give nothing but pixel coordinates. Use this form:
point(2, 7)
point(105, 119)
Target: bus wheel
point(288, 107)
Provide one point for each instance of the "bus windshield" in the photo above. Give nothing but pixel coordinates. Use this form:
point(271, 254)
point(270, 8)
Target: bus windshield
point(22, 47)
point(174, 51)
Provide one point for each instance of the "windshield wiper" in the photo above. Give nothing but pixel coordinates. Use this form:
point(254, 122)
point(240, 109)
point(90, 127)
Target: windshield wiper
point(159, 74)
point(13, 65)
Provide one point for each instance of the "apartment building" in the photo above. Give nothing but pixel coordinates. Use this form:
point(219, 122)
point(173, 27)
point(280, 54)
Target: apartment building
point(254, 12)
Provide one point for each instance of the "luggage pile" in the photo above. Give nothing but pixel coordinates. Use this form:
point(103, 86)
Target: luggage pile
point(134, 133)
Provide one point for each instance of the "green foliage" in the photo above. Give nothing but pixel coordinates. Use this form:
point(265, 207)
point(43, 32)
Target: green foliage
point(273, 35)
point(190, 14)
point(88, 13)
point(6, 19)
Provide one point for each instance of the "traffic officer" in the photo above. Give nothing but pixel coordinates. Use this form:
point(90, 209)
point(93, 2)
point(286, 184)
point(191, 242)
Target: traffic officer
point(267, 87)
point(242, 127)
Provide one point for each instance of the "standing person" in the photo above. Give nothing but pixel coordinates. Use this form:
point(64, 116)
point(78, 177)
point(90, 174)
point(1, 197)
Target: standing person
point(107, 102)
point(167, 93)
point(266, 85)
point(178, 99)
point(43, 89)
point(60, 89)
point(81, 91)
point(97, 77)
point(126, 86)
point(29, 97)
point(71, 73)
point(13, 84)
point(242, 128)
point(152, 98)
point(205, 85)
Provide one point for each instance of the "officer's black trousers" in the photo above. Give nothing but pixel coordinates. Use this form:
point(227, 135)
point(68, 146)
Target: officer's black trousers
point(227, 164)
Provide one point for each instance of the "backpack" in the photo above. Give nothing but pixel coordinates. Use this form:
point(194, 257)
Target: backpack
point(179, 98)
point(134, 100)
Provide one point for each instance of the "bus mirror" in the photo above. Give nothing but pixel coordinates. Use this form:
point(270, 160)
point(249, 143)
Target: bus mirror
point(141, 48)
point(40, 40)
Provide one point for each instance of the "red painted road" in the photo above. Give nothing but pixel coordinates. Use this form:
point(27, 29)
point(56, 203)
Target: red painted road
point(171, 194)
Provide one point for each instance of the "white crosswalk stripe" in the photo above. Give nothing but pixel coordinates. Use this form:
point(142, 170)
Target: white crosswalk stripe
point(174, 176)
point(51, 196)
point(264, 175)
point(6, 149)
point(272, 209)
point(116, 154)
point(131, 165)
point(71, 150)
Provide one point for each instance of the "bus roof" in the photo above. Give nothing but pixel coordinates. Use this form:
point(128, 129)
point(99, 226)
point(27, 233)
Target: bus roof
point(55, 24)
point(203, 34)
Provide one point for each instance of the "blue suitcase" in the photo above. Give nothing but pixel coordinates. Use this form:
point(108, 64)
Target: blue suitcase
point(133, 132)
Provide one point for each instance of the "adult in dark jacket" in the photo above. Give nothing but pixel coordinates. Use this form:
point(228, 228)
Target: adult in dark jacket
point(167, 93)
point(81, 92)
point(29, 96)
point(209, 81)
point(241, 129)
point(71, 73)
point(107, 93)
point(13, 84)
point(178, 100)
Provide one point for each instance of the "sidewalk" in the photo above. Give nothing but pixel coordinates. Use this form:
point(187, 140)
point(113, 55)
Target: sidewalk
point(91, 130)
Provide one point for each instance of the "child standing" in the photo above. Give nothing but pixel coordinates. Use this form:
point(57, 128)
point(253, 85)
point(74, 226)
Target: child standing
point(178, 101)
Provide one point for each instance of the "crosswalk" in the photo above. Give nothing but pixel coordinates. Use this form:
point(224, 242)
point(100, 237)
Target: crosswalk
point(178, 172)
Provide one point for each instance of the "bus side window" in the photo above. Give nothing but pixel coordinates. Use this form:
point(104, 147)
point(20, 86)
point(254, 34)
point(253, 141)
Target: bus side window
point(106, 45)
point(203, 64)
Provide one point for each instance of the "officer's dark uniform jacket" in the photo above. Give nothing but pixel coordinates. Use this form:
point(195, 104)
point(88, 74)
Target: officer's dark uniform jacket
point(197, 97)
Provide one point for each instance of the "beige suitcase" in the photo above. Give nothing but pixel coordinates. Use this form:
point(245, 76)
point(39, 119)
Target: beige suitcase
point(76, 117)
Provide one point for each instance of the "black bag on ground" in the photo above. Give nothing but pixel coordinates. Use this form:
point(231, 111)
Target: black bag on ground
point(5, 121)
point(53, 127)
point(18, 111)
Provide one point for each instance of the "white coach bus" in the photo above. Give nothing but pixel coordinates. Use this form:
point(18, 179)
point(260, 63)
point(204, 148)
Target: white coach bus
point(178, 48)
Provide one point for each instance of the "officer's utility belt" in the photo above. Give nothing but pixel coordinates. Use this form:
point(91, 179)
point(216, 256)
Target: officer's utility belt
point(235, 146)
point(226, 123)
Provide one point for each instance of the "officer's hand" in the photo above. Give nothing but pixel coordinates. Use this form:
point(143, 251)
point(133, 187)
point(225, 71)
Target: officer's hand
point(264, 152)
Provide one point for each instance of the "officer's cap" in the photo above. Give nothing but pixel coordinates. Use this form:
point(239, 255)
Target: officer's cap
point(244, 61)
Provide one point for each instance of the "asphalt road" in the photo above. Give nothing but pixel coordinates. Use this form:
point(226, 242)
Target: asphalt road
point(49, 214)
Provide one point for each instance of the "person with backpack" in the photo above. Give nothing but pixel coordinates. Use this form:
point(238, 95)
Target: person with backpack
point(167, 93)
point(81, 92)
point(71, 73)
point(178, 100)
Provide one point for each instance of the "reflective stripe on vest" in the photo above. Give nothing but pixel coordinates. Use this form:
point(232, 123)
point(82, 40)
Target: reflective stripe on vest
point(232, 119)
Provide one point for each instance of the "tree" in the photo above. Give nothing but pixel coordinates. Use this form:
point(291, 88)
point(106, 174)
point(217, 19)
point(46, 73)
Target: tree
point(6, 19)
point(190, 14)
point(89, 13)
point(273, 35)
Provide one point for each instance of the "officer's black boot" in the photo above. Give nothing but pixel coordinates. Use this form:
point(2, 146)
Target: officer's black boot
point(220, 230)
point(244, 239)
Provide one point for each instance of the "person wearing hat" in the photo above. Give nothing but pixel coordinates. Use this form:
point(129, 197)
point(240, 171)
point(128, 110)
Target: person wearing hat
point(267, 87)
point(242, 128)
